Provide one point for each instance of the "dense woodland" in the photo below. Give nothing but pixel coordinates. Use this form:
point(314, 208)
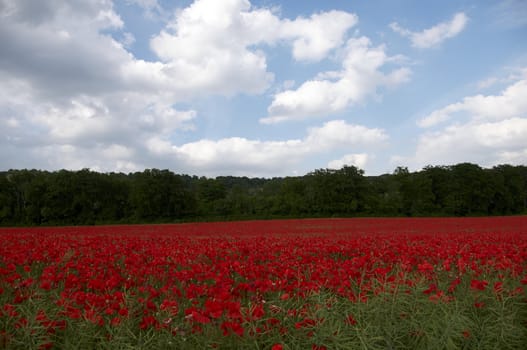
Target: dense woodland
point(34, 197)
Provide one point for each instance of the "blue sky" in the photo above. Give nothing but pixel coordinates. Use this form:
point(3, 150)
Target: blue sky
point(262, 88)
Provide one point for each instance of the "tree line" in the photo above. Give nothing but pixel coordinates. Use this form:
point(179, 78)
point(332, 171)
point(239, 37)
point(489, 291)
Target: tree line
point(34, 197)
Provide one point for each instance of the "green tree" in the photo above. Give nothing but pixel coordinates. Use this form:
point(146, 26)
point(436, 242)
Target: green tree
point(158, 195)
point(8, 200)
point(472, 189)
point(418, 199)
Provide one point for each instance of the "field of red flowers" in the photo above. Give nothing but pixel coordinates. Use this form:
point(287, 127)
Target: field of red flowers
point(289, 284)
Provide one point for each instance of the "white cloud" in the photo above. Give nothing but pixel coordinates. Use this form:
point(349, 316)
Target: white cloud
point(313, 38)
point(486, 143)
point(486, 83)
point(507, 76)
point(113, 157)
point(210, 45)
point(73, 96)
point(115, 151)
point(68, 13)
point(203, 50)
point(82, 119)
point(338, 133)
point(239, 155)
point(151, 7)
point(510, 103)
point(288, 84)
point(435, 35)
point(12, 122)
point(488, 130)
point(334, 91)
point(128, 40)
point(57, 47)
point(357, 159)
point(512, 157)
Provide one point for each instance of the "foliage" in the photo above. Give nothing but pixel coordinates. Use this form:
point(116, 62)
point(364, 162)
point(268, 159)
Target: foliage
point(32, 197)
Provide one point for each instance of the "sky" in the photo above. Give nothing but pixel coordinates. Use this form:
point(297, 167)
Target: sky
point(261, 88)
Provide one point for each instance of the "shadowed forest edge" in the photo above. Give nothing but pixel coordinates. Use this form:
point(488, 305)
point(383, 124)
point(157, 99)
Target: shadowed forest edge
point(34, 197)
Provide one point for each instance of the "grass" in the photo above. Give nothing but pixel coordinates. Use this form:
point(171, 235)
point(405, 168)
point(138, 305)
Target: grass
point(405, 318)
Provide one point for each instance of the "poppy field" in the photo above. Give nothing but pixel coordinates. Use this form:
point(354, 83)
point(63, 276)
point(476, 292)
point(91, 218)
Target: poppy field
point(405, 283)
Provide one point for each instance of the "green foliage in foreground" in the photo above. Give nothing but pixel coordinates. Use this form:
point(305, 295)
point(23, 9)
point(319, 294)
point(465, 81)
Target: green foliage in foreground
point(405, 318)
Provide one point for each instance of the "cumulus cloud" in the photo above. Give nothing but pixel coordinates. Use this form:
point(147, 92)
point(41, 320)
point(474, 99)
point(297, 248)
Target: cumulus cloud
point(314, 37)
point(435, 35)
point(74, 96)
point(487, 143)
point(211, 45)
point(338, 133)
point(356, 159)
point(239, 155)
point(488, 130)
point(334, 91)
point(510, 103)
point(57, 47)
point(202, 48)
